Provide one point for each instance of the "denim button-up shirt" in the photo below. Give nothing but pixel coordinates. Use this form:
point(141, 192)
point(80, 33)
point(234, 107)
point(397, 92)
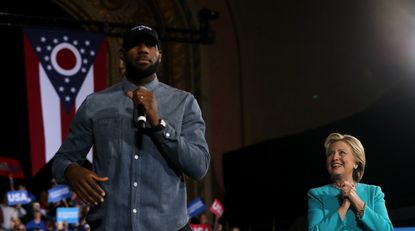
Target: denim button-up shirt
point(146, 188)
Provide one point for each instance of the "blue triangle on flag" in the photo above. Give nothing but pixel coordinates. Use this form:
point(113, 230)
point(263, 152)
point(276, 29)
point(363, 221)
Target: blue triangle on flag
point(66, 59)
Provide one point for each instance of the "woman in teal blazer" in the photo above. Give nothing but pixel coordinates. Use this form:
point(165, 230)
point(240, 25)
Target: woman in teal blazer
point(346, 204)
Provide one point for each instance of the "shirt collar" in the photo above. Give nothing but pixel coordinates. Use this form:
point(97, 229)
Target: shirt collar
point(130, 86)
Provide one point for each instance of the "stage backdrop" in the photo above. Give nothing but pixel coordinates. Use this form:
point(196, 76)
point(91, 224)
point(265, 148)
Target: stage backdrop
point(62, 68)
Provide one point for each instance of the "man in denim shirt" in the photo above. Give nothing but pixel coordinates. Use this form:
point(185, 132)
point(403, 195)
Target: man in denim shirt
point(137, 182)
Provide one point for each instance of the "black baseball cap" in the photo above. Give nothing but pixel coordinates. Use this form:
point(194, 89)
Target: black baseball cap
point(138, 34)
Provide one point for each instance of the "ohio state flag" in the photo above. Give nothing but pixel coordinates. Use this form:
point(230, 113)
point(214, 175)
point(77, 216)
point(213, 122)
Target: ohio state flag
point(62, 68)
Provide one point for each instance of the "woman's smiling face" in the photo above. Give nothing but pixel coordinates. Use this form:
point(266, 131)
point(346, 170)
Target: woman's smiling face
point(340, 160)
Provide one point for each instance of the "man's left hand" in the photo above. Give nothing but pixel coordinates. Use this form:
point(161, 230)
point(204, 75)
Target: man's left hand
point(142, 96)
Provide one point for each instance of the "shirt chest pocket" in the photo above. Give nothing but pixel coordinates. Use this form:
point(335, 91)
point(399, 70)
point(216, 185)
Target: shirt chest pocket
point(107, 135)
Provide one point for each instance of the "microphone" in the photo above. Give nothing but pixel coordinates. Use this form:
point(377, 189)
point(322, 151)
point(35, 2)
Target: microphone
point(140, 123)
point(141, 116)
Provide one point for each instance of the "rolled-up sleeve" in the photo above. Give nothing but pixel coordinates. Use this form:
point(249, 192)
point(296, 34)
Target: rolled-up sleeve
point(188, 149)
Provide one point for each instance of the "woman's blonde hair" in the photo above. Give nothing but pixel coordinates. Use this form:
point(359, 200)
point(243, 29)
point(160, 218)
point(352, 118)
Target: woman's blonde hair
point(357, 149)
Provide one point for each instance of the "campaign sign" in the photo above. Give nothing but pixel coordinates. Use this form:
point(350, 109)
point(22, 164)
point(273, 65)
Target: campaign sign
point(195, 207)
point(17, 197)
point(197, 227)
point(404, 229)
point(217, 208)
point(70, 215)
point(58, 193)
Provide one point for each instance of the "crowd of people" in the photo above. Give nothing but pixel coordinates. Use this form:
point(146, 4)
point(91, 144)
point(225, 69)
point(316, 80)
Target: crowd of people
point(40, 215)
point(217, 224)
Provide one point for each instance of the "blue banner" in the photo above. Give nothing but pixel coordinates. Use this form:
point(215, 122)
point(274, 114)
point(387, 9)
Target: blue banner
point(405, 229)
point(58, 193)
point(70, 215)
point(195, 207)
point(18, 197)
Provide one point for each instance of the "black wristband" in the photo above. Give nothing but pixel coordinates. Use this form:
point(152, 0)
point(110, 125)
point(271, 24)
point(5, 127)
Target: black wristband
point(160, 126)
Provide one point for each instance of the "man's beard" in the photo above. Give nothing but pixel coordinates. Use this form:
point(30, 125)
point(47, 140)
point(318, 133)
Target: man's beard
point(136, 74)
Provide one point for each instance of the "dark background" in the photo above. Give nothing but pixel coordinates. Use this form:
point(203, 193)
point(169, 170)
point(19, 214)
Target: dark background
point(265, 183)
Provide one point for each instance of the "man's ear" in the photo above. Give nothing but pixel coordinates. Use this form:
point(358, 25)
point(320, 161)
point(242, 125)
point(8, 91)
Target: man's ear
point(122, 61)
point(122, 54)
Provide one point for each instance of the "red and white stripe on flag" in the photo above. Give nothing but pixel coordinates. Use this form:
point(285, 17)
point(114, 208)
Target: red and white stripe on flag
point(217, 208)
point(62, 68)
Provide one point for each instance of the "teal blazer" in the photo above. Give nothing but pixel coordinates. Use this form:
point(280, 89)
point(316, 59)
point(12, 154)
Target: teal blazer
point(324, 201)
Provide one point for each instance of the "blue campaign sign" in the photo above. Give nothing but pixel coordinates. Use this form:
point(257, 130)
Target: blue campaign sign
point(58, 193)
point(70, 215)
point(17, 197)
point(195, 207)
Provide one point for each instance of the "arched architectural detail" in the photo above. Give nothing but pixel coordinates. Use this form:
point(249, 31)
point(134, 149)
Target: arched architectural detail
point(179, 68)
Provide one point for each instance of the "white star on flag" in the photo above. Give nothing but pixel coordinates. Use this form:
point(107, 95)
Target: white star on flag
point(60, 73)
